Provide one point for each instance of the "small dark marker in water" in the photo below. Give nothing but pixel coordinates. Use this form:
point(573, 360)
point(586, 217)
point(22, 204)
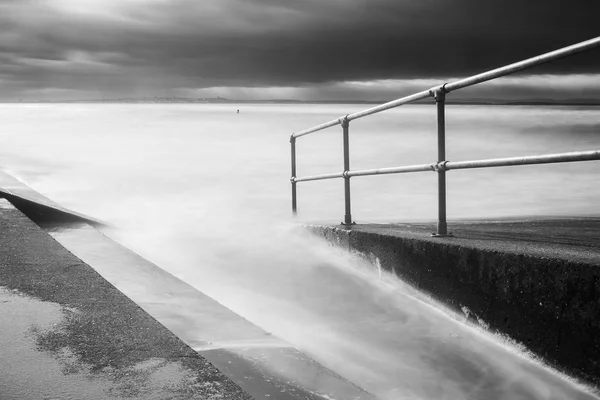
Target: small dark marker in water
point(238, 111)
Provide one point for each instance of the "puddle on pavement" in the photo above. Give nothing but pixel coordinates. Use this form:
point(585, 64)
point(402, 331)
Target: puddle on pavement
point(34, 367)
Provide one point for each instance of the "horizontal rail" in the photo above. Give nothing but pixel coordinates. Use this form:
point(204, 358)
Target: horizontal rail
point(529, 160)
point(392, 104)
point(319, 177)
point(521, 65)
point(462, 83)
point(393, 170)
point(318, 128)
point(452, 165)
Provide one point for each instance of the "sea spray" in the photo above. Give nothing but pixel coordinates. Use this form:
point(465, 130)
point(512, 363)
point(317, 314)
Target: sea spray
point(206, 197)
point(341, 310)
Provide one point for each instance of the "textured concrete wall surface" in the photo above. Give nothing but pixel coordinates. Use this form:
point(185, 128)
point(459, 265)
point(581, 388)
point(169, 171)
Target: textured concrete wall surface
point(549, 304)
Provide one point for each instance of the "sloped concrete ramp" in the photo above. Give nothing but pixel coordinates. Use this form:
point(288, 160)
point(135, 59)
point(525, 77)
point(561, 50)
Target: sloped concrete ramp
point(260, 363)
point(36, 206)
point(120, 314)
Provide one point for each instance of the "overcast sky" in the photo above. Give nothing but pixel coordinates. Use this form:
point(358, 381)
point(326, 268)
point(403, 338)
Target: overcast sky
point(305, 49)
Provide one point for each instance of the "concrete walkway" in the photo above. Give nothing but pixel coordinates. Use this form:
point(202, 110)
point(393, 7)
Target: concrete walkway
point(572, 239)
point(67, 333)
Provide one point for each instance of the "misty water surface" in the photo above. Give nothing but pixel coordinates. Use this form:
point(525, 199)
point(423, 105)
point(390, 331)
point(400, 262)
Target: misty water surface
point(204, 192)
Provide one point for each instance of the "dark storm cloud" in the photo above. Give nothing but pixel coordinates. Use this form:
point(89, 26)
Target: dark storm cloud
point(110, 45)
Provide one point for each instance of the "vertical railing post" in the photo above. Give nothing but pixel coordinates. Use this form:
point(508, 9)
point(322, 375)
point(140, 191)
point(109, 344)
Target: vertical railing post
point(293, 179)
point(440, 99)
point(348, 213)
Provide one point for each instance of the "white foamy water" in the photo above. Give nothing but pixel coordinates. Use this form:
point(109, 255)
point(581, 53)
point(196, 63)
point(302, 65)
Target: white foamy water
point(204, 193)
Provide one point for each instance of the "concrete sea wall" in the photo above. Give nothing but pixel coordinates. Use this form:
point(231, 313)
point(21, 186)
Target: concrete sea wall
point(550, 304)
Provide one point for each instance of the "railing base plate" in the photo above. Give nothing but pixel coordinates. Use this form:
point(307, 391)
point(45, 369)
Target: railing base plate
point(449, 234)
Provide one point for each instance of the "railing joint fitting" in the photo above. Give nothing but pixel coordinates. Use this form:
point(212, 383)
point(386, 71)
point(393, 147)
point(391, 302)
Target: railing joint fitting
point(344, 121)
point(439, 92)
point(293, 179)
point(292, 138)
point(439, 167)
point(346, 175)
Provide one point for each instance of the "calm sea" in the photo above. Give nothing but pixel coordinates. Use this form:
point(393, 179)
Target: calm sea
point(204, 193)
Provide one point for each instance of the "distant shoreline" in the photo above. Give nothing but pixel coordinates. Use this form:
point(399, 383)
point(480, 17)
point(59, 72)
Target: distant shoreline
point(178, 100)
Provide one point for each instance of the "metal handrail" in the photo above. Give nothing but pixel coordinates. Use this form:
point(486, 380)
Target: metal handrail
point(318, 177)
point(574, 156)
point(439, 94)
point(462, 83)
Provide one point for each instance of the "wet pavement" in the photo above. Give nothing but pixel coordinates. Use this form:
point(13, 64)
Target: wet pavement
point(38, 364)
point(67, 333)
